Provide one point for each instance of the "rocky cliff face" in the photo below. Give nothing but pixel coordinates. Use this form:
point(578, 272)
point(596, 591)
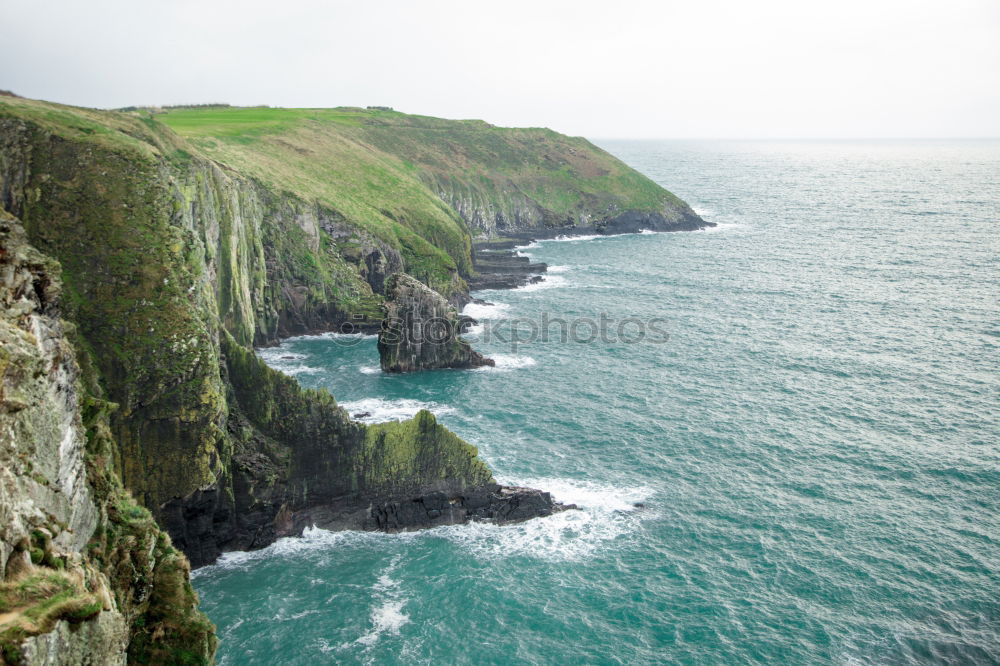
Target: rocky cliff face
point(421, 330)
point(87, 577)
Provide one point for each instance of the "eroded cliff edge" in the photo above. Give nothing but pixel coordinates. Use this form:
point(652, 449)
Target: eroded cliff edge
point(177, 255)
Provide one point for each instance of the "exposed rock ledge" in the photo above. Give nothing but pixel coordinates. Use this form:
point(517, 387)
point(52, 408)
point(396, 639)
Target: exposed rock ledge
point(421, 330)
point(498, 265)
point(497, 504)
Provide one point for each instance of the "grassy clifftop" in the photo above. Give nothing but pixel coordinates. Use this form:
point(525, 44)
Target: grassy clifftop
point(350, 158)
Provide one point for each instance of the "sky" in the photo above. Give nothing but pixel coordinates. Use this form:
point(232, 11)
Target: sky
point(608, 69)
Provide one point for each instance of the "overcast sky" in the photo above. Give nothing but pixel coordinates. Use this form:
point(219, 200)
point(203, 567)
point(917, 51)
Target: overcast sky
point(614, 68)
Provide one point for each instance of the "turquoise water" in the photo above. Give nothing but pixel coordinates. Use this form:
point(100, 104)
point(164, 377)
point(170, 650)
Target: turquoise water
point(815, 448)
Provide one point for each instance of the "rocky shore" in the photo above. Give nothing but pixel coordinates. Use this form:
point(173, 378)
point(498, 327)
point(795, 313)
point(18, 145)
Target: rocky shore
point(499, 265)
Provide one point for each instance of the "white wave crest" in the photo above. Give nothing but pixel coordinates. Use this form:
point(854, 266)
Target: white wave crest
point(281, 359)
point(480, 311)
point(505, 362)
point(380, 411)
point(548, 282)
point(567, 239)
point(370, 369)
point(530, 246)
point(558, 269)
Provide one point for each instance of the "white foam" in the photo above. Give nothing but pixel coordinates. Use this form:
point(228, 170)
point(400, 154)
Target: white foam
point(566, 239)
point(721, 226)
point(370, 369)
point(279, 354)
point(558, 269)
point(355, 336)
point(606, 513)
point(387, 616)
point(506, 362)
point(380, 410)
point(587, 494)
point(702, 211)
point(480, 311)
point(281, 359)
point(331, 336)
point(648, 232)
point(549, 282)
point(298, 370)
point(530, 246)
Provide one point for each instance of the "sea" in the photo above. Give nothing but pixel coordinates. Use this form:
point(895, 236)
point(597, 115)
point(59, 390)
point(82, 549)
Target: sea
point(783, 434)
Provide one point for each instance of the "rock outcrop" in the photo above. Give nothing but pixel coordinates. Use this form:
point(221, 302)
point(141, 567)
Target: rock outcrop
point(421, 330)
point(496, 504)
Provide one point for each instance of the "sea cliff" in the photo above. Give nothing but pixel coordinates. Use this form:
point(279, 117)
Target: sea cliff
point(181, 239)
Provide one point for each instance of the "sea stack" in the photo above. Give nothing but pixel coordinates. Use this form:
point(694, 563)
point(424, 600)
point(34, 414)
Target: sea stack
point(421, 330)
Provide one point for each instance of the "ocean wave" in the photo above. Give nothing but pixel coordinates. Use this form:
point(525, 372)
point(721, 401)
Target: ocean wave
point(380, 411)
point(330, 336)
point(480, 311)
point(285, 361)
point(530, 246)
point(567, 239)
point(721, 226)
point(606, 512)
point(506, 362)
point(549, 282)
point(370, 369)
point(558, 269)
point(298, 370)
point(279, 354)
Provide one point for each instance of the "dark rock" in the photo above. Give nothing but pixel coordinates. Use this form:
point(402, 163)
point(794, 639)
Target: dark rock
point(498, 504)
point(421, 330)
point(361, 415)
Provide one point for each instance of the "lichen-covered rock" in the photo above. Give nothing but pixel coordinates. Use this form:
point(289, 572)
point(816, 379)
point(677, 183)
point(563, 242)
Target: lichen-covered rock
point(421, 330)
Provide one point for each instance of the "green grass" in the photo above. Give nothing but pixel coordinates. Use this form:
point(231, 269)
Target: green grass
point(36, 602)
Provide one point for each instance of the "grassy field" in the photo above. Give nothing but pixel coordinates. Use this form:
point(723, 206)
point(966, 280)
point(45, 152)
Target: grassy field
point(321, 155)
